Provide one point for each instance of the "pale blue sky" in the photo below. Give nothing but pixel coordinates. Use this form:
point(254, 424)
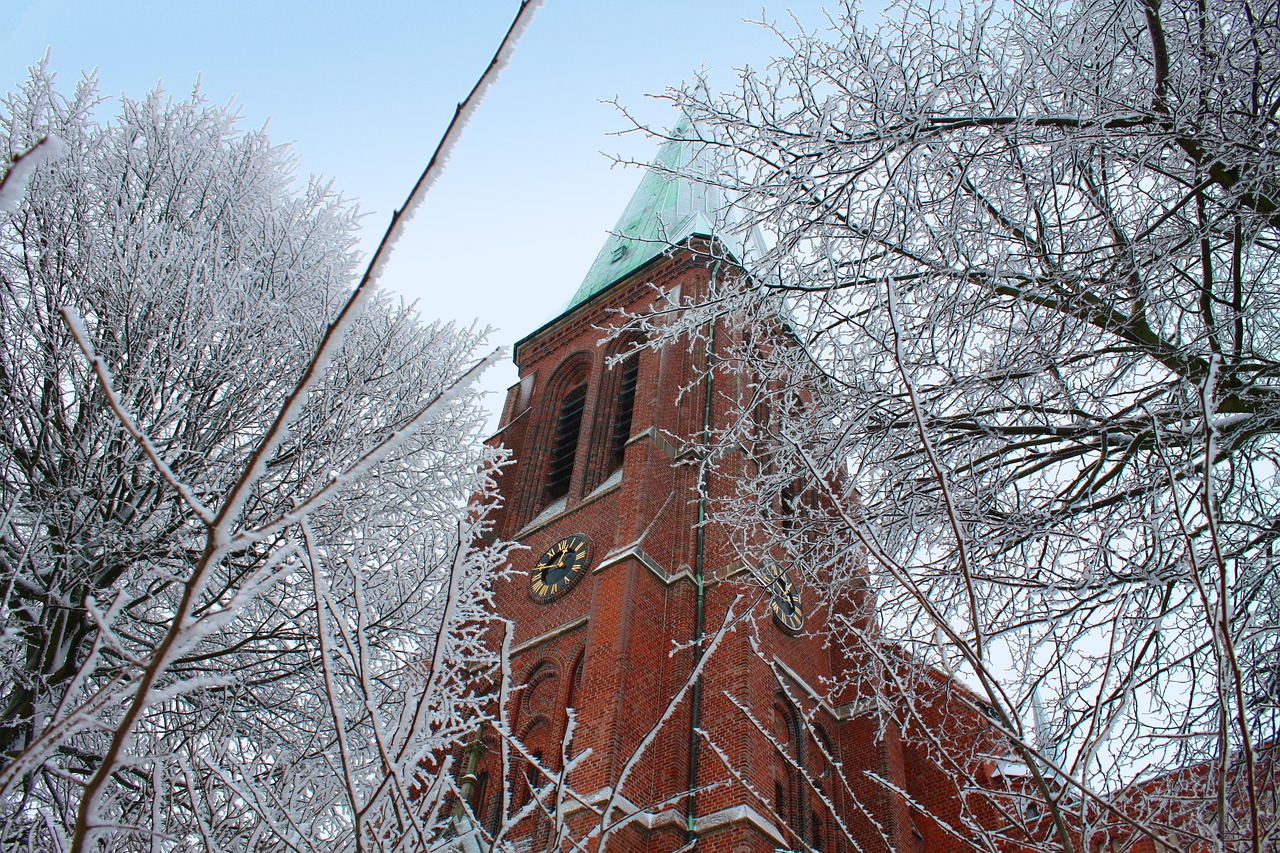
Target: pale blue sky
point(363, 92)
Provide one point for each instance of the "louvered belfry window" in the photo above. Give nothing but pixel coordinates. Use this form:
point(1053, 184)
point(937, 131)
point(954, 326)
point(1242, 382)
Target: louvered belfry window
point(625, 408)
point(568, 426)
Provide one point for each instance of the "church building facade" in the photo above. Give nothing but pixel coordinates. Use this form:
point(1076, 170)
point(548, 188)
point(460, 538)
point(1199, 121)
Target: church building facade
point(685, 682)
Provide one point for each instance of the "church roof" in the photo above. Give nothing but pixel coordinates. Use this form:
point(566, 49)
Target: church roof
point(665, 211)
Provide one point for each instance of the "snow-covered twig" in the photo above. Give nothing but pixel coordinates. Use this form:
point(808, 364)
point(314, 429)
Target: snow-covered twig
point(220, 536)
point(605, 828)
point(13, 183)
point(81, 336)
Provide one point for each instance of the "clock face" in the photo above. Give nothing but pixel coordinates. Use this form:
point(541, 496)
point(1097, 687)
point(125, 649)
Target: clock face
point(784, 598)
point(559, 568)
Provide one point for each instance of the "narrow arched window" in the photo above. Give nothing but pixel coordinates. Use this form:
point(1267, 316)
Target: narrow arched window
point(480, 798)
point(565, 449)
point(530, 776)
point(534, 781)
point(789, 499)
point(623, 410)
point(575, 682)
point(817, 839)
point(786, 734)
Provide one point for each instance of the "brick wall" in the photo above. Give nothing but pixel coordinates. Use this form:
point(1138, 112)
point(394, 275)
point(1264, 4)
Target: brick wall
point(616, 647)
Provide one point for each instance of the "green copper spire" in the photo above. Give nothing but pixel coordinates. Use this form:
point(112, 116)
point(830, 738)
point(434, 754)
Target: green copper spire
point(664, 211)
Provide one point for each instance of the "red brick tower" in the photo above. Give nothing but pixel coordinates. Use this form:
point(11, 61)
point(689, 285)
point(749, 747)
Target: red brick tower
point(622, 591)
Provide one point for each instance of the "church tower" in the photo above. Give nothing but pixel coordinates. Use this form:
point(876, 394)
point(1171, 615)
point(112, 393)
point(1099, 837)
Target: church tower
point(620, 590)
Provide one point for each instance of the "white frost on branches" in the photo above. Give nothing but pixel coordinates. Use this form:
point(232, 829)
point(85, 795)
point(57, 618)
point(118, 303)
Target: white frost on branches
point(1016, 342)
point(13, 183)
point(240, 608)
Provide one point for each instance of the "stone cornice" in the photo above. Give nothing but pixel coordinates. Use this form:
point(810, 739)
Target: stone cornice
point(570, 325)
point(562, 628)
point(670, 817)
point(539, 522)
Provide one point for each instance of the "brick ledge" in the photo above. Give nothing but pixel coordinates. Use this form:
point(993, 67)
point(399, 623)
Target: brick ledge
point(562, 628)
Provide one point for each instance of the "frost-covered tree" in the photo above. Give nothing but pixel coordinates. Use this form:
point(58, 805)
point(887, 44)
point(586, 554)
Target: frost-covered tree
point(244, 561)
point(1015, 339)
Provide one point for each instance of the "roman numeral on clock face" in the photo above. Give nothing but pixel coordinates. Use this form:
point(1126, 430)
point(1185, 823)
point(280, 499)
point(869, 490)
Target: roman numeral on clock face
point(559, 568)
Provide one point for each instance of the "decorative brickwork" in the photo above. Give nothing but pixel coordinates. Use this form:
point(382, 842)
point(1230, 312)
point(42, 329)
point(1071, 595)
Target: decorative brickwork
point(620, 591)
point(780, 762)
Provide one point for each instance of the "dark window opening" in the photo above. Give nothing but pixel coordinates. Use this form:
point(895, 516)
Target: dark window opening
point(824, 752)
point(484, 806)
point(816, 839)
point(575, 682)
point(568, 426)
point(788, 498)
point(532, 780)
point(624, 410)
point(535, 780)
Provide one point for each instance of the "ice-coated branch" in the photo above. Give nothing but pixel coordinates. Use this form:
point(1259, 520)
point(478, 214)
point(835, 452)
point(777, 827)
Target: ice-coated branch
point(958, 532)
point(320, 589)
point(220, 537)
point(726, 625)
point(13, 183)
point(371, 457)
point(1232, 678)
point(336, 331)
point(100, 369)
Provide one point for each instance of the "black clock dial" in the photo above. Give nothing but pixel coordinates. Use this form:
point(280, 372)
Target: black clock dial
point(559, 568)
point(784, 598)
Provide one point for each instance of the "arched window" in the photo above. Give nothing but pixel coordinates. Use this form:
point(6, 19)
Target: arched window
point(526, 776)
point(533, 780)
point(824, 753)
point(817, 838)
point(540, 688)
point(623, 409)
point(480, 805)
point(821, 758)
point(575, 681)
point(565, 447)
point(788, 500)
point(786, 733)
